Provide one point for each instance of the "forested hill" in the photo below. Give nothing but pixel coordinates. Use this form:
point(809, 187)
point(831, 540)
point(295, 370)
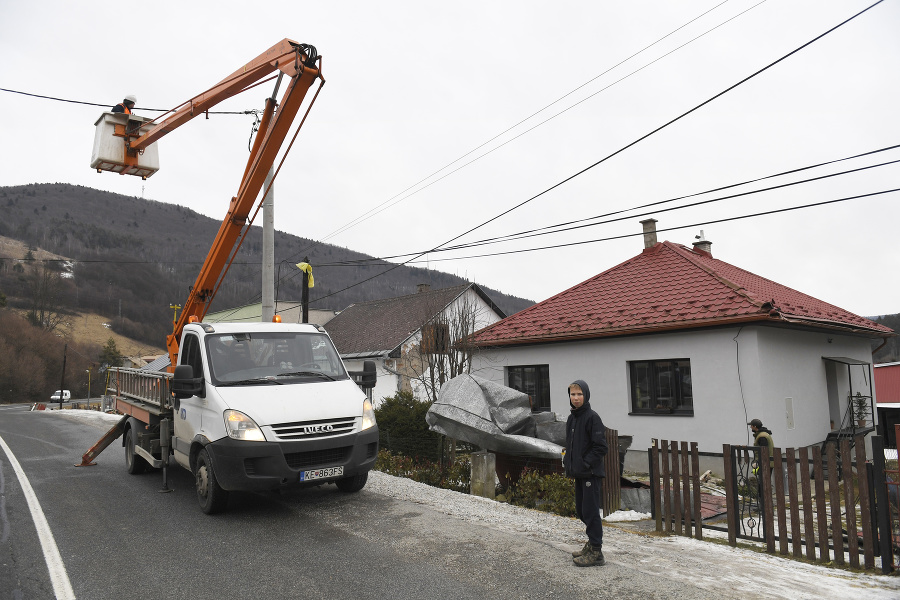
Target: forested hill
point(139, 256)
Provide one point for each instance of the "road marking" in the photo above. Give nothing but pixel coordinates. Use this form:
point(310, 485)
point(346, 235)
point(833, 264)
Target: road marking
point(58, 577)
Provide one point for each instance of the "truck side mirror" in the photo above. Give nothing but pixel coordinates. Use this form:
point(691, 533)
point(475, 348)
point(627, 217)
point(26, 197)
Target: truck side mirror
point(184, 384)
point(367, 377)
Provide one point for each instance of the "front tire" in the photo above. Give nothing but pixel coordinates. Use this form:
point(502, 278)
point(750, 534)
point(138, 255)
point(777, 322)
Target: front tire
point(134, 463)
point(210, 495)
point(350, 485)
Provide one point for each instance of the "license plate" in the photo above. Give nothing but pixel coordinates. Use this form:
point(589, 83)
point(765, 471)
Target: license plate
point(321, 473)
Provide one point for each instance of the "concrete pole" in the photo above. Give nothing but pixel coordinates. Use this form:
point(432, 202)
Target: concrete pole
point(268, 253)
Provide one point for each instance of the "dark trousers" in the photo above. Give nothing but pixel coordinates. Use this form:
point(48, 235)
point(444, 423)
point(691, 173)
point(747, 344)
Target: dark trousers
point(587, 508)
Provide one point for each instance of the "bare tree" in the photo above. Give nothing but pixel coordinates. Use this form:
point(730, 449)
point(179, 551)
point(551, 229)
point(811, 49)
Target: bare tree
point(44, 288)
point(442, 351)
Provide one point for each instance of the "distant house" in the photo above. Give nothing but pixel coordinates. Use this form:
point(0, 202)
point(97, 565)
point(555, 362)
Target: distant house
point(405, 335)
point(887, 390)
point(678, 345)
point(289, 311)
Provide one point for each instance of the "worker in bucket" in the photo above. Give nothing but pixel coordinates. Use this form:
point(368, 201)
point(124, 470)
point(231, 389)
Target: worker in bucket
point(125, 105)
point(586, 450)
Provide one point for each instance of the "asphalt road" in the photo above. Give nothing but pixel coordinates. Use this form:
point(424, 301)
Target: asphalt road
point(119, 537)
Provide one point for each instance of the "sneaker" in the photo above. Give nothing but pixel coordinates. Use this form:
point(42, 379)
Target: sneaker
point(586, 548)
point(591, 558)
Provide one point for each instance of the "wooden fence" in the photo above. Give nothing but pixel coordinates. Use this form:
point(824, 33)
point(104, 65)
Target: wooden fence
point(804, 501)
point(679, 507)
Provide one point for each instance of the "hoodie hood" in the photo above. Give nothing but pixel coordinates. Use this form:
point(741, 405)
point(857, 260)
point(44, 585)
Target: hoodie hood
point(584, 388)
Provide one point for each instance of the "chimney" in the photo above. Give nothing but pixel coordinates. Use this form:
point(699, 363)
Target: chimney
point(649, 233)
point(422, 287)
point(702, 244)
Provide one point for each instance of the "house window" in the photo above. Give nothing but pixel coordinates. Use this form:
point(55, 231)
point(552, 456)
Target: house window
point(661, 387)
point(436, 338)
point(534, 380)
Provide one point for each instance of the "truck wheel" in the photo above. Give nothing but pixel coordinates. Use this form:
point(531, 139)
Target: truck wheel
point(134, 463)
point(210, 494)
point(353, 484)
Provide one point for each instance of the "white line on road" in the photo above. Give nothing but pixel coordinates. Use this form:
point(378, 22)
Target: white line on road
point(58, 577)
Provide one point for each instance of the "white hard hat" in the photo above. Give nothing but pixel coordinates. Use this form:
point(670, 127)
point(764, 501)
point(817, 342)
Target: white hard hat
point(131, 98)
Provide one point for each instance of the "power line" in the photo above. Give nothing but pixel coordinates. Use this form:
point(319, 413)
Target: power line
point(388, 203)
point(617, 152)
point(581, 223)
point(692, 225)
point(162, 110)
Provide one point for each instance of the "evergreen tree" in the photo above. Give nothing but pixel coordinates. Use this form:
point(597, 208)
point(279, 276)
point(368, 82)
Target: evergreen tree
point(110, 354)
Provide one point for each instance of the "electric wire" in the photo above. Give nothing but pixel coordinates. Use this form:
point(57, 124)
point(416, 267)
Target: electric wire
point(374, 211)
point(619, 151)
point(162, 110)
point(582, 223)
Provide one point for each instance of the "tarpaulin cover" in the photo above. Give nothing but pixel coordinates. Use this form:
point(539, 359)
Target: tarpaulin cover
point(489, 415)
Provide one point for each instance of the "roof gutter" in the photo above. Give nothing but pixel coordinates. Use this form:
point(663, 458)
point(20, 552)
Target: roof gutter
point(771, 317)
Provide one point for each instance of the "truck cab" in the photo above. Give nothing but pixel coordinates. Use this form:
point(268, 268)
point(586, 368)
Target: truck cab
point(259, 406)
point(66, 396)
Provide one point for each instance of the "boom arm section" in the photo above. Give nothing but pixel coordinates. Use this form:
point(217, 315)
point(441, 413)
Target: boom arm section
point(299, 63)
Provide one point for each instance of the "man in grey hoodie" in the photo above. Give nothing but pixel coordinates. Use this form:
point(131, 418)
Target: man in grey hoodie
point(586, 448)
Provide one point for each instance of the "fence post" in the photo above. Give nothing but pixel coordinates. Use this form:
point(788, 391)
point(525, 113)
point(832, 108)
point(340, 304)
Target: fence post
point(835, 493)
point(676, 488)
point(695, 460)
point(730, 495)
point(821, 508)
point(808, 503)
point(883, 507)
point(654, 484)
point(796, 546)
point(850, 505)
point(779, 495)
point(862, 473)
point(667, 499)
point(686, 479)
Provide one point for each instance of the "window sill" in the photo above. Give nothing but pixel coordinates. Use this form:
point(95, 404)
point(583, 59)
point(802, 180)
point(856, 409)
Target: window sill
point(661, 414)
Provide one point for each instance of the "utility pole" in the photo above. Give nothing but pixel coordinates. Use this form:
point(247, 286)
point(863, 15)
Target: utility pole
point(62, 377)
point(304, 297)
point(268, 250)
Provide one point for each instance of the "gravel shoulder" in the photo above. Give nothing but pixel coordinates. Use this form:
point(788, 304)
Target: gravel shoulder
point(706, 565)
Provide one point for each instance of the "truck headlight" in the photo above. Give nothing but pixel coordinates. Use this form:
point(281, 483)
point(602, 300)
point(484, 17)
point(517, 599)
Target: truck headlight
point(241, 427)
point(368, 416)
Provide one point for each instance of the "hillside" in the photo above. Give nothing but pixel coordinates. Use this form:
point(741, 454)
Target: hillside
point(128, 259)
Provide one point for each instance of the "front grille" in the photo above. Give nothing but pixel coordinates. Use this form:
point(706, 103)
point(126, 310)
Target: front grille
point(306, 430)
point(317, 458)
point(299, 460)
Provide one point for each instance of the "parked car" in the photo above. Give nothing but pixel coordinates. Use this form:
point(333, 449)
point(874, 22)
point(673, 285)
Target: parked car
point(66, 396)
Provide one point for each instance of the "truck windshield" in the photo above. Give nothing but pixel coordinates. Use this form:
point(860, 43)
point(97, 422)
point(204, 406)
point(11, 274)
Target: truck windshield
point(282, 357)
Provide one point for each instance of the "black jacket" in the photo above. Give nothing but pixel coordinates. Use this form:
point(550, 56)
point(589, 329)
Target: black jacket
point(586, 445)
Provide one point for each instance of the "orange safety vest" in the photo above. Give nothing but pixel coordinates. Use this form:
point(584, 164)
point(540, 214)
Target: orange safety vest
point(125, 109)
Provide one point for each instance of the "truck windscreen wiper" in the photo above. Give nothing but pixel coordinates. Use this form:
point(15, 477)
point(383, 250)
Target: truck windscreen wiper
point(254, 381)
point(314, 373)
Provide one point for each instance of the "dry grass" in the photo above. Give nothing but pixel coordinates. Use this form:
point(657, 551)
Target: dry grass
point(87, 328)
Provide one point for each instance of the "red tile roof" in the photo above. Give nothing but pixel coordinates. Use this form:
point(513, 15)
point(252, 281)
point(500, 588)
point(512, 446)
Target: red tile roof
point(668, 286)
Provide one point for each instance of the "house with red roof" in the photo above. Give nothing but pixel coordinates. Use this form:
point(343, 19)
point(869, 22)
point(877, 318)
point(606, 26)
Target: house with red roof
point(679, 345)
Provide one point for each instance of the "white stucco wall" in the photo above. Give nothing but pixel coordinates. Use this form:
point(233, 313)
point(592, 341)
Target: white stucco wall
point(386, 382)
point(737, 374)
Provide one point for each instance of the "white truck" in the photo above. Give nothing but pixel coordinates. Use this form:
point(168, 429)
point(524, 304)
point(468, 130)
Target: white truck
point(250, 407)
point(66, 396)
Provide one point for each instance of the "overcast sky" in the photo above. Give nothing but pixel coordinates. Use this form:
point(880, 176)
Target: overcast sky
point(414, 86)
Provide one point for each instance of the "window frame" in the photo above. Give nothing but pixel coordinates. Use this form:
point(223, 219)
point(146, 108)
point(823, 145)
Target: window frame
point(680, 404)
point(539, 402)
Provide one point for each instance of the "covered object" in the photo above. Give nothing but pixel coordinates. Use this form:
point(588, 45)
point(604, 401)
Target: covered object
point(489, 415)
